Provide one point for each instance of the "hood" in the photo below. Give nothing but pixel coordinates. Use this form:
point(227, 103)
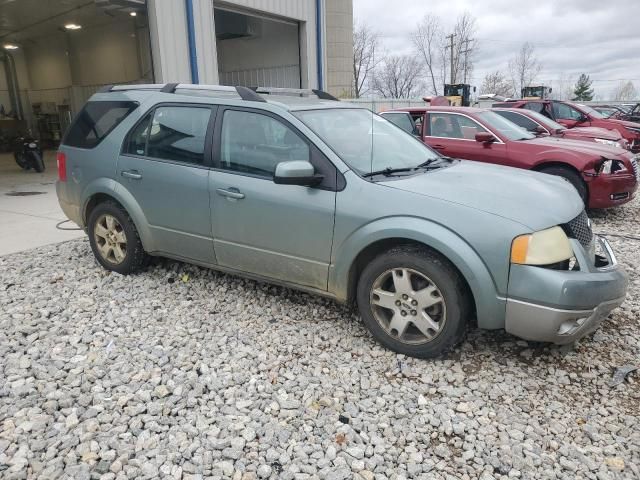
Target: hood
point(588, 150)
point(624, 123)
point(593, 132)
point(533, 199)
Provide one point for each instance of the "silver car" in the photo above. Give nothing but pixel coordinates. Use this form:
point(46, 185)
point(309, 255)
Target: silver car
point(301, 190)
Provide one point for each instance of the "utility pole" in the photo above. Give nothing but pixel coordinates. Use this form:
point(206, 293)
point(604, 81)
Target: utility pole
point(465, 52)
point(450, 47)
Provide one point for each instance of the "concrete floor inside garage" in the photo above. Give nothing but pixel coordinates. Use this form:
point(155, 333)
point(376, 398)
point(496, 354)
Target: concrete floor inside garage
point(29, 209)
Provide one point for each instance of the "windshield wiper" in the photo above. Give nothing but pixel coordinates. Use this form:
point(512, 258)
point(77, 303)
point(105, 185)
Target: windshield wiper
point(387, 171)
point(431, 161)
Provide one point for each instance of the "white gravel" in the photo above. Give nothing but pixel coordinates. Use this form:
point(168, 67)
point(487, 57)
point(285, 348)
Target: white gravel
point(182, 372)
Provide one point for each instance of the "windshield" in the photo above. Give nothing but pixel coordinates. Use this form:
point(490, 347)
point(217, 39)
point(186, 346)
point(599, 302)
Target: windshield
point(546, 121)
point(505, 127)
point(591, 111)
point(366, 141)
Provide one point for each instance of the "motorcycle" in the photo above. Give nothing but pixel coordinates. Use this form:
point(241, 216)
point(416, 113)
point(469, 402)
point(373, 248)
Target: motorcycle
point(28, 154)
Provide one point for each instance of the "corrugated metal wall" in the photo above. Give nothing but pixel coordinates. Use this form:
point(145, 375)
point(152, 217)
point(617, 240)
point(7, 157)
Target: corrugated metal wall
point(299, 9)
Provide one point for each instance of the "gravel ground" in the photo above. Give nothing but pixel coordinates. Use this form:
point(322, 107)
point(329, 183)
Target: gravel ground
point(182, 372)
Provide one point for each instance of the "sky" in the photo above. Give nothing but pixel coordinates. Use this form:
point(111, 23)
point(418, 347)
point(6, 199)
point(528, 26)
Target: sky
point(598, 37)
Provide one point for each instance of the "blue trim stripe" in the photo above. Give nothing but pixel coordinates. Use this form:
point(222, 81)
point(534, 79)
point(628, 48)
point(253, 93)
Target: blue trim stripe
point(191, 31)
point(319, 51)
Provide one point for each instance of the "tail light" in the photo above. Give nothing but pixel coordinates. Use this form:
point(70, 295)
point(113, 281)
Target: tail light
point(61, 158)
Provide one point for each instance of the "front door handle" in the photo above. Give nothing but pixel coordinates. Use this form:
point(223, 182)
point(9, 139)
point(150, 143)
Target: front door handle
point(133, 174)
point(233, 193)
point(439, 147)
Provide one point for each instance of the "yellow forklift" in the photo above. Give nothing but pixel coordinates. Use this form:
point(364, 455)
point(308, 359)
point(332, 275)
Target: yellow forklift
point(539, 92)
point(459, 94)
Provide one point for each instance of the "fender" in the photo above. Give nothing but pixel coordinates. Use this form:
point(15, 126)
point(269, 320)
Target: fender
point(112, 188)
point(490, 306)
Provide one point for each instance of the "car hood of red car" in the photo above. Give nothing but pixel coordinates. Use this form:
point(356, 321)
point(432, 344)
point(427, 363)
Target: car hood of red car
point(624, 123)
point(533, 199)
point(586, 149)
point(593, 132)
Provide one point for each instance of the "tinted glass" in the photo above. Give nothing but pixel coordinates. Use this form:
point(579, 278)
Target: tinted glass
point(137, 139)
point(366, 141)
point(402, 120)
point(504, 127)
point(254, 143)
point(452, 125)
point(560, 110)
point(178, 133)
point(95, 121)
point(520, 120)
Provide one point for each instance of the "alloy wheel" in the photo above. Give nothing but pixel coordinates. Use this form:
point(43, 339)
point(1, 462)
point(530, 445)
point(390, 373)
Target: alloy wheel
point(408, 306)
point(111, 239)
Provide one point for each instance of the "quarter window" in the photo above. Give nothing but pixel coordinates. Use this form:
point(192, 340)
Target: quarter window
point(95, 121)
point(451, 125)
point(254, 143)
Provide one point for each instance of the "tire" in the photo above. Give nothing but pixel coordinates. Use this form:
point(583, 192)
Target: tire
point(22, 162)
point(433, 283)
point(114, 239)
point(36, 162)
point(572, 177)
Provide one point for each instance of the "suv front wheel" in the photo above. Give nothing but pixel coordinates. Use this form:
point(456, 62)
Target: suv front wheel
point(414, 302)
point(114, 239)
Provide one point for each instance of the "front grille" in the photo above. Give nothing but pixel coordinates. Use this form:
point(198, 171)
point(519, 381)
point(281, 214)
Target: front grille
point(634, 165)
point(580, 229)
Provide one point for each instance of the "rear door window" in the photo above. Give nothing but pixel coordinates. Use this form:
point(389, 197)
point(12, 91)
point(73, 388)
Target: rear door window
point(95, 121)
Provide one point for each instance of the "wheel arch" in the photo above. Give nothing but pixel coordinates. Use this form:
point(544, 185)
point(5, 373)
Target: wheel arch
point(540, 167)
point(107, 190)
point(365, 244)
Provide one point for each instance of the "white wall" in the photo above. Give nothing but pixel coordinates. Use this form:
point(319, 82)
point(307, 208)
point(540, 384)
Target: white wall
point(270, 58)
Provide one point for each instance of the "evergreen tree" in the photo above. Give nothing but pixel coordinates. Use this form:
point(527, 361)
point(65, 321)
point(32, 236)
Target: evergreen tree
point(583, 91)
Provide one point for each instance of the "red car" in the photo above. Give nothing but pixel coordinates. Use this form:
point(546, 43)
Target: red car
point(573, 115)
point(538, 124)
point(604, 176)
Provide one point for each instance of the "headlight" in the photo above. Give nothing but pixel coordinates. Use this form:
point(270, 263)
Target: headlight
point(612, 166)
point(541, 248)
point(604, 141)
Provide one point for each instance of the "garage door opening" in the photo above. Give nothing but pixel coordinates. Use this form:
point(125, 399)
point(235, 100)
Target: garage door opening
point(54, 54)
point(257, 51)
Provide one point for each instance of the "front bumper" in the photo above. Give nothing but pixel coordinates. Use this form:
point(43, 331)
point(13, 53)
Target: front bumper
point(607, 191)
point(560, 307)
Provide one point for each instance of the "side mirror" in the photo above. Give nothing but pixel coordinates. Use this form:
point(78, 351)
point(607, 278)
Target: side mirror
point(485, 137)
point(583, 118)
point(296, 172)
point(540, 130)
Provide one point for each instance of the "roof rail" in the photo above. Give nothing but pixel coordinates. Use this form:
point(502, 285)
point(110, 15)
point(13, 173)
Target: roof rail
point(300, 92)
point(251, 94)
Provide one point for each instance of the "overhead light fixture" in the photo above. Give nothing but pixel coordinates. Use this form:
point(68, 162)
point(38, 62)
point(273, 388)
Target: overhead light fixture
point(133, 14)
point(10, 46)
point(73, 26)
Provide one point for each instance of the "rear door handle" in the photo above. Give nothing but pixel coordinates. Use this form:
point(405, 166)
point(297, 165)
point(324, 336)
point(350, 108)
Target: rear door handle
point(133, 174)
point(233, 193)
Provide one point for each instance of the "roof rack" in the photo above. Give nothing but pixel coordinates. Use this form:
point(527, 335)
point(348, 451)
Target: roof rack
point(298, 92)
point(251, 94)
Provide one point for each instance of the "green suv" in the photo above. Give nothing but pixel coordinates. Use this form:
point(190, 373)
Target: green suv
point(298, 189)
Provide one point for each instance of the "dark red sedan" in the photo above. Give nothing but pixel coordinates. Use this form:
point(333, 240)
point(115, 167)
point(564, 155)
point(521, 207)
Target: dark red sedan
point(538, 124)
point(604, 176)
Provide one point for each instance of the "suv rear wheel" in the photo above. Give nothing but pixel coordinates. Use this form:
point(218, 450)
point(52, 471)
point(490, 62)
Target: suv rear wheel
point(414, 302)
point(114, 239)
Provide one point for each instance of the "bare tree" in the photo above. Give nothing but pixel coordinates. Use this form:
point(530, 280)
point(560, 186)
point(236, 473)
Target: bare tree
point(524, 67)
point(428, 42)
point(625, 91)
point(365, 46)
point(563, 87)
point(497, 82)
point(399, 76)
point(465, 47)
